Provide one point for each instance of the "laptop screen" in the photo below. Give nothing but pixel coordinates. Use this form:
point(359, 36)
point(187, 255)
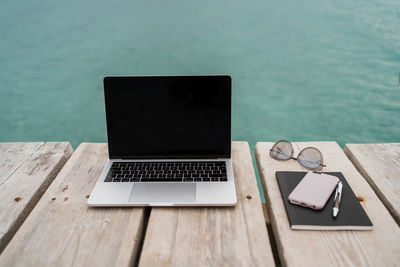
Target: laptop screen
point(168, 116)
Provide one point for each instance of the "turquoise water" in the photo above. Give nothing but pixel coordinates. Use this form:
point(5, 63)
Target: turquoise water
point(304, 70)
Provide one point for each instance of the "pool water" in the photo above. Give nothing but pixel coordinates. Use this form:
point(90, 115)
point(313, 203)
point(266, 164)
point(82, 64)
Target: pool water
point(302, 70)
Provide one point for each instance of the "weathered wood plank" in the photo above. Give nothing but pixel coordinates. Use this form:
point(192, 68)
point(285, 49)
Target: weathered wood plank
point(379, 247)
point(229, 236)
point(13, 155)
point(63, 230)
point(380, 166)
point(26, 170)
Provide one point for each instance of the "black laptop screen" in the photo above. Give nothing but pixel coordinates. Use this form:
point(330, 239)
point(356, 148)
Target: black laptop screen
point(168, 116)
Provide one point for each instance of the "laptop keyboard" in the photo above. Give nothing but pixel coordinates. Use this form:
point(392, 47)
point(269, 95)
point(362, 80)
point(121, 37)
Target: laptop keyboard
point(201, 171)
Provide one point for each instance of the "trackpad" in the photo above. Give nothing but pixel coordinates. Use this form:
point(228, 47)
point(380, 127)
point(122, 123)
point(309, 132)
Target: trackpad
point(163, 192)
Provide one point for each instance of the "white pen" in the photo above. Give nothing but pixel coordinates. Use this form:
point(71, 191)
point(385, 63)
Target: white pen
point(338, 197)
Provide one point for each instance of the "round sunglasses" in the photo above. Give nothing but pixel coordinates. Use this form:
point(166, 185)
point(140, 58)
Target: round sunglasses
point(310, 157)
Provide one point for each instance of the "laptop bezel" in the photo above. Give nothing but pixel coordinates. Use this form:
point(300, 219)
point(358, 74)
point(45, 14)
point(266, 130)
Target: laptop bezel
point(149, 157)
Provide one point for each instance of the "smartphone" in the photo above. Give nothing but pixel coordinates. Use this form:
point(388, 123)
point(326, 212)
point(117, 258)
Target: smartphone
point(314, 190)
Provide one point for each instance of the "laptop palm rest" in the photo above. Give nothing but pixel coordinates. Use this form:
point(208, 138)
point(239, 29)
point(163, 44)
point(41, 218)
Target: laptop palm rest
point(163, 192)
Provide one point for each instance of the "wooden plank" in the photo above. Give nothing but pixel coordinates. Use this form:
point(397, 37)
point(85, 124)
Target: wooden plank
point(63, 230)
point(379, 247)
point(26, 170)
point(224, 236)
point(380, 166)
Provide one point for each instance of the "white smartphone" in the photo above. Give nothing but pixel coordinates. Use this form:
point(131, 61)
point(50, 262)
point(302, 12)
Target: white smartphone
point(314, 190)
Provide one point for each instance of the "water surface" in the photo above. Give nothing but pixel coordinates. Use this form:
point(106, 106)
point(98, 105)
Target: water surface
point(304, 70)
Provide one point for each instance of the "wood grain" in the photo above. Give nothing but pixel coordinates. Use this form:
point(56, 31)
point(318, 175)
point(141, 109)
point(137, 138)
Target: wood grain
point(380, 166)
point(379, 247)
point(26, 170)
point(229, 236)
point(63, 230)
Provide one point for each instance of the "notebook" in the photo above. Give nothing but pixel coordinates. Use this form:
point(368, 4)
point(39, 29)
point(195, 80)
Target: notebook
point(351, 215)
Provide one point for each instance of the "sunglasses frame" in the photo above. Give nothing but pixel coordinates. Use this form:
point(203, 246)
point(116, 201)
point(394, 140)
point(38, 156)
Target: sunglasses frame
point(291, 155)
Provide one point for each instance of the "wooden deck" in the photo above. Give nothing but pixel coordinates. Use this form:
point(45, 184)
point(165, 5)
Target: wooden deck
point(26, 170)
point(45, 220)
point(62, 230)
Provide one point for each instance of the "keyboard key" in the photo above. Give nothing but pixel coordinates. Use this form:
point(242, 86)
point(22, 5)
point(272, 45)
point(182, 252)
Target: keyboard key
point(169, 180)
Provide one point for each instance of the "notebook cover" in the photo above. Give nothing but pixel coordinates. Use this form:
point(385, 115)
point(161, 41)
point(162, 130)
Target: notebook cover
point(351, 214)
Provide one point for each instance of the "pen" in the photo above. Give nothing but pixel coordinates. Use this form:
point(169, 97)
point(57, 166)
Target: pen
point(338, 197)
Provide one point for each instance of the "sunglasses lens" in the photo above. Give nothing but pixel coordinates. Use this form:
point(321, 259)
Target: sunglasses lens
point(282, 150)
point(311, 158)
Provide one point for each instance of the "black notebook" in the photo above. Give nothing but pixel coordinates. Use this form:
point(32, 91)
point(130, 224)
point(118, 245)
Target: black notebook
point(351, 214)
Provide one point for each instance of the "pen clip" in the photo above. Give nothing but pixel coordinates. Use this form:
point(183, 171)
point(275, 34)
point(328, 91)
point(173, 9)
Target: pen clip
point(337, 190)
point(338, 196)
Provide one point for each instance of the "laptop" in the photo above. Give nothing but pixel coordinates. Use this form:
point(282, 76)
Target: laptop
point(169, 142)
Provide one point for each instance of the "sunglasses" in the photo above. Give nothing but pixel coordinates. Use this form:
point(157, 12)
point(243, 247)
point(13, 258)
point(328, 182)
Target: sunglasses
point(310, 157)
